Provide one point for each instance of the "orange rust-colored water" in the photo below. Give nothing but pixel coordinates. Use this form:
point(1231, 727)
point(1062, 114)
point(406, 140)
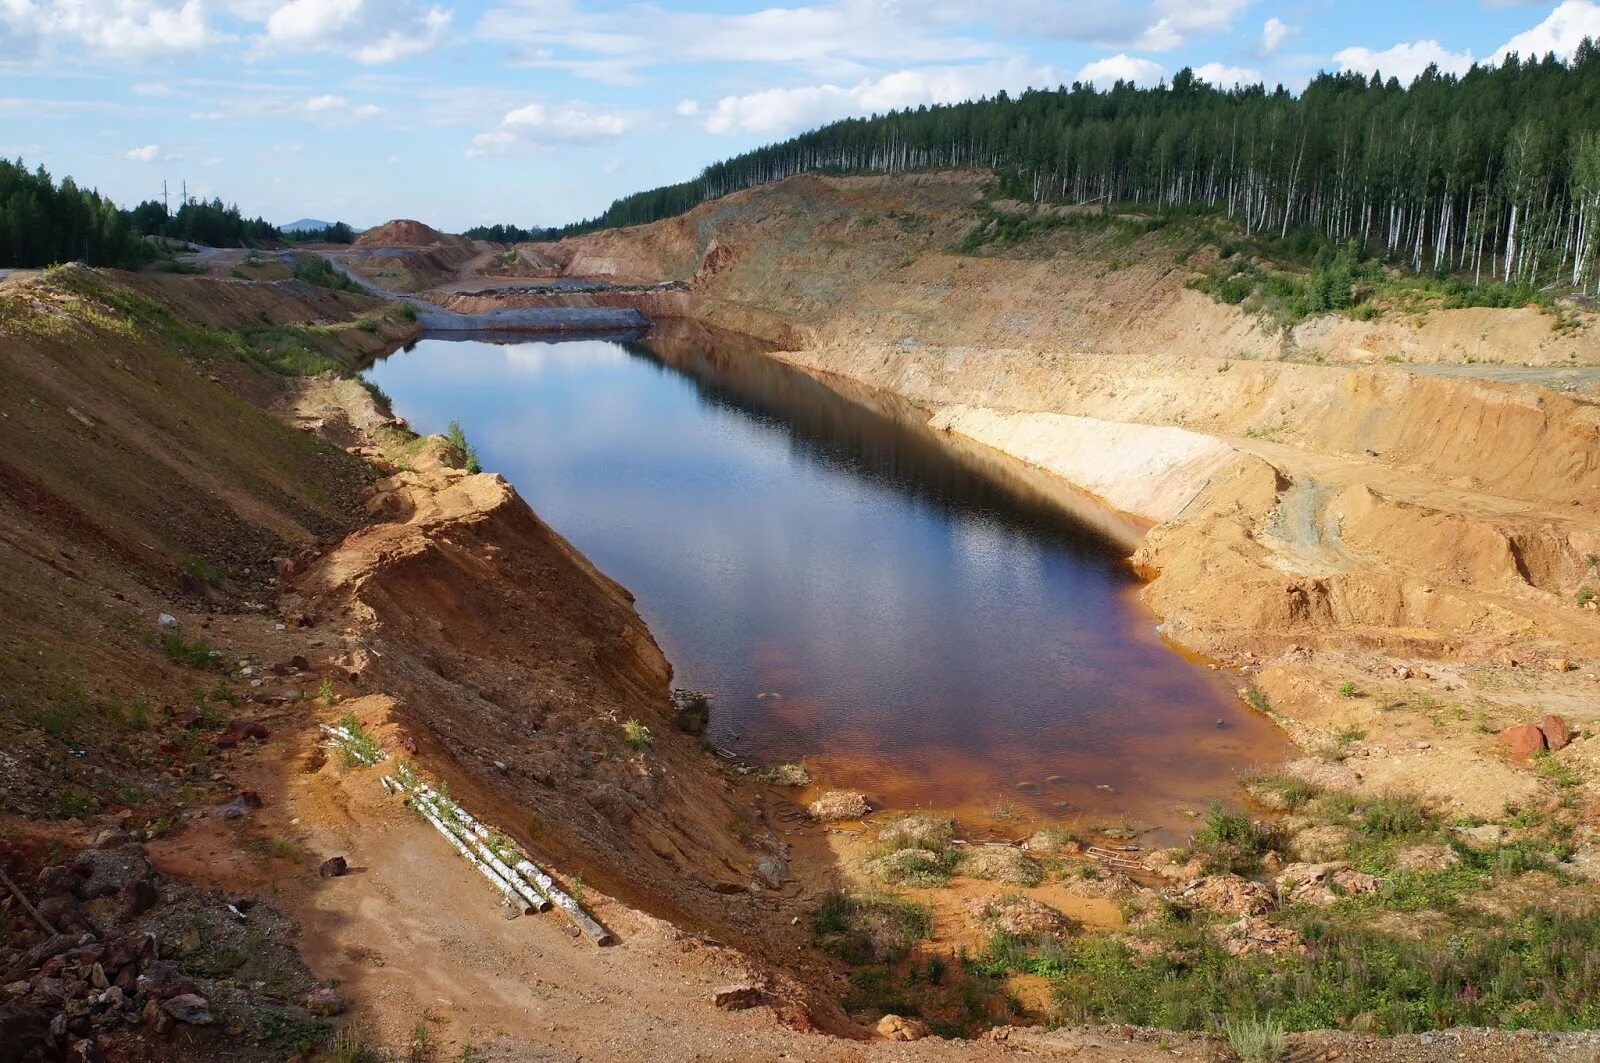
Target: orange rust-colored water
point(916, 619)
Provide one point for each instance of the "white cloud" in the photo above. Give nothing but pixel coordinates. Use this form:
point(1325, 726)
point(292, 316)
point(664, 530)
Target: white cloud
point(538, 125)
point(836, 39)
point(1404, 61)
point(369, 31)
point(1226, 77)
point(1104, 73)
point(1273, 33)
point(332, 107)
point(110, 29)
point(787, 110)
point(151, 153)
point(1180, 21)
point(688, 108)
point(1561, 32)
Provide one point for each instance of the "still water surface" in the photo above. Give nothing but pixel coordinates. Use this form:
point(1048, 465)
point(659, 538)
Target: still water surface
point(914, 618)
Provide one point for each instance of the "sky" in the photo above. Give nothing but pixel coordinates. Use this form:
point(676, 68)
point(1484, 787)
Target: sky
point(538, 112)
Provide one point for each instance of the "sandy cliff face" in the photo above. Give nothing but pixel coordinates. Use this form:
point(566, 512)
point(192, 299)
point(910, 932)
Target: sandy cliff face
point(1413, 487)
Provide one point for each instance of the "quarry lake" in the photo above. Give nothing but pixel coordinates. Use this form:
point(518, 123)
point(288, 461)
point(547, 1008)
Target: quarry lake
point(913, 617)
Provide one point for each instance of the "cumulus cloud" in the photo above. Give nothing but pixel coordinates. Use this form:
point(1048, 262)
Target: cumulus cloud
point(368, 31)
point(688, 108)
point(1180, 21)
point(1108, 71)
point(1227, 77)
point(332, 107)
point(110, 29)
point(150, 153)
point(1561, 32)
point(1404, 61)
point(1273, 33)
point(786, 110)
point(538, 125)
point(835, 39)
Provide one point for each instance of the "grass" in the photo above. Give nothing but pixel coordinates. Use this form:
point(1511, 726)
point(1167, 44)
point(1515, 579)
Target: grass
point(1256, 1040)
point(318, 271)
point(914, 850)
point(464, 450)
point(1348, 689)
point(693, 713)
point(196, 654)
point(325, 692)
point(361, 749)
point(637, 735)
point(869, 928)
point(1230, 841)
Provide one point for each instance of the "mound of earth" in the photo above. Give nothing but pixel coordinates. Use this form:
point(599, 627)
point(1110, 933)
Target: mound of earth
point(401, 232)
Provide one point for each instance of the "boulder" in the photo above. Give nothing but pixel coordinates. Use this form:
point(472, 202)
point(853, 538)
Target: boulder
point(325, 1001)
point(1557, 735)
point(190, 1008)
point(1522, 741)
point(333, 867)
point(900, 1028)
point(1227, 893)
point(244, 804)
point(838, 805)
point(1561, 664)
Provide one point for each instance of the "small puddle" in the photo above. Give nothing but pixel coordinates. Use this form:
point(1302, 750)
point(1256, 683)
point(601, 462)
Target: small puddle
point(917, 618)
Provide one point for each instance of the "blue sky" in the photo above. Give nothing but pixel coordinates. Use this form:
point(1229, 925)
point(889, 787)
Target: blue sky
point(542, 111)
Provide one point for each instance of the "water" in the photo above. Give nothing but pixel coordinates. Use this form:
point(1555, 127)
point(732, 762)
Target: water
point(923, 621)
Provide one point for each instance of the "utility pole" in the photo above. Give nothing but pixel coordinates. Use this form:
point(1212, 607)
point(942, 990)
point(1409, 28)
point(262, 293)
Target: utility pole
point(165, 207)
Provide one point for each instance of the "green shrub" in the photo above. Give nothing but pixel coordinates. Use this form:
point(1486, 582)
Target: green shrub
point(637, 735)
point(1256, 1040)
point(196, 654)
point(1230, 841)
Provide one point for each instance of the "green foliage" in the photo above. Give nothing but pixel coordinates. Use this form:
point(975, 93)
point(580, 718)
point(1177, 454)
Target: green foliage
point(379, 396)
point(408, 312)
point(337, 232)
point(325, 692)
point(506, 234)
point(1256, 1040)
point(314, 269)
point(42, 223)
point(1348, 689)
point(637, 735)
point(1448, 174)
point(196, 654)
point(361, 748)
point(465, 450)
point(1230, 841)
point(868, 928)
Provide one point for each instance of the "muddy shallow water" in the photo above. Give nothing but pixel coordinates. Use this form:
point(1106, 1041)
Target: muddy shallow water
point(919, 619)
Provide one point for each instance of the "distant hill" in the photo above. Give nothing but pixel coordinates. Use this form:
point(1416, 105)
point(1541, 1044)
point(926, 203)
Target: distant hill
point(307, 224)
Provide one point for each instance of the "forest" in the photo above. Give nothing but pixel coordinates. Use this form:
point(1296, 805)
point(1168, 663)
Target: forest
point(42, 223)
point(1491, 176)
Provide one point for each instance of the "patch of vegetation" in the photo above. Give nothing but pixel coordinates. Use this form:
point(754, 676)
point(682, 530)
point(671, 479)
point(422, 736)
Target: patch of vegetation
point(869, 928)
point(325, 692)
point(1281, 791)
point(360, 749)
point(637, 736)
point(1256, 1040)
point(203, 570)
point(1231, 841)
point(464, 450)
point(316, 270)
point(1348, 689)
point(408, 312)
point(196, 654)
point(914, 850)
